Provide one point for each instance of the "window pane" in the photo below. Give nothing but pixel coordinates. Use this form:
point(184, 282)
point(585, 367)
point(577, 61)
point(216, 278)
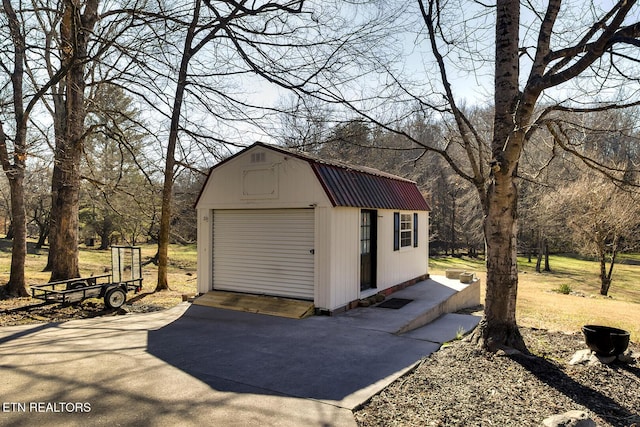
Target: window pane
point(405, 238)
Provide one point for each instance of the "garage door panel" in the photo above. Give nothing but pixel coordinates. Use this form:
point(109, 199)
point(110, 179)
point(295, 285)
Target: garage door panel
point(264, 252)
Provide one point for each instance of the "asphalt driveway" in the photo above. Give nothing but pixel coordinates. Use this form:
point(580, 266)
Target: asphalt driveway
point(194, 365)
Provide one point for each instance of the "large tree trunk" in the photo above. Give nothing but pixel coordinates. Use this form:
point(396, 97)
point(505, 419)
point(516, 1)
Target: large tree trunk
point(66, 182)
point(498, 327)
point(165, 225)
point(16, 285)
point(65, 204)
point(56, 179)
point(75, 29)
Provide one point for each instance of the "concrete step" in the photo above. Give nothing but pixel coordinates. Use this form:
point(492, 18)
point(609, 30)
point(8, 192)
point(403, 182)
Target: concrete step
point(430, 299)
point(448, 327)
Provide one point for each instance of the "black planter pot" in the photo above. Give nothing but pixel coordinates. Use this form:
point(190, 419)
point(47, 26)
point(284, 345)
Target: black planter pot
point(605, 340)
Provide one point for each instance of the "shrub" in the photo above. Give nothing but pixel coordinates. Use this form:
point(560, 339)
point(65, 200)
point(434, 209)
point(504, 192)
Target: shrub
point(564, 289)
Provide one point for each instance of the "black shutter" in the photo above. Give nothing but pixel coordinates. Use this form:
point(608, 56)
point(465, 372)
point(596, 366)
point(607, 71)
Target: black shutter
point(415, 230)
point(396, 231)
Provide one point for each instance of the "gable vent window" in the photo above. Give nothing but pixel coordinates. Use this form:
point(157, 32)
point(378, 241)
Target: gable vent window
point(258, 157)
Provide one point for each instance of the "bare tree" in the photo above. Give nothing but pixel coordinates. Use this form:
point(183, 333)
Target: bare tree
point(76, 26)
point(77, 43)
point(15, 168)
point(22, 104)
point(603, 218)
point(552, 62)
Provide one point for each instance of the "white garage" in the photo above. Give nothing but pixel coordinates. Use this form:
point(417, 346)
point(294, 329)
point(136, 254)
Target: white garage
point(274, 221)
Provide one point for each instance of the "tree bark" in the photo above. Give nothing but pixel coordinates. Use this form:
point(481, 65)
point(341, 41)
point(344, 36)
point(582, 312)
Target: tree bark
point(65, 204)
point(547, 267)
point(498, 326)
point(605, 282)
point(75, 29)
point(42, 235)
point(56, 178)
point(540, 253)
point(605, 276)
point(17, 285)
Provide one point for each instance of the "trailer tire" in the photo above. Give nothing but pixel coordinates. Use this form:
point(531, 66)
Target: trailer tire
point(115, 298)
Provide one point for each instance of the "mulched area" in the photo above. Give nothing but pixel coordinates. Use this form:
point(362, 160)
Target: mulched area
point(462, 386)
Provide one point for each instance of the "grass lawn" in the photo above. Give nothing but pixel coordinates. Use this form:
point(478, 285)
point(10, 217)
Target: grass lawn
point(540, 305)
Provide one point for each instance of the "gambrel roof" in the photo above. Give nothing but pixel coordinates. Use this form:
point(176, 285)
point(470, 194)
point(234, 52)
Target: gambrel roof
point(354, 186)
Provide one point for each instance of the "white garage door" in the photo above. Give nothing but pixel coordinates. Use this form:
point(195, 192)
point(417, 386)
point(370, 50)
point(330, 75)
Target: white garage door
point(266, 251)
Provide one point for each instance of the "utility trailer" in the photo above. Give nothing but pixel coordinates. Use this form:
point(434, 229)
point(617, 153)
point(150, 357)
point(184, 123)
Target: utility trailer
point(126, 275)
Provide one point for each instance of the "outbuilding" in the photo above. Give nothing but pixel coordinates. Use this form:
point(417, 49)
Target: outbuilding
point(276, 221)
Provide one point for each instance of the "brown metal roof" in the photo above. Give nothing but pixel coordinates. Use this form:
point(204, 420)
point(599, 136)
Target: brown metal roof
point(352, 187)
point(360, 186)
point(357, 186)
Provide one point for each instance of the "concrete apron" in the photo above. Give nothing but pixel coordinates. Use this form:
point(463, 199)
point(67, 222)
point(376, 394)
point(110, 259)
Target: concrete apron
point(199, 366)
point(104, 369)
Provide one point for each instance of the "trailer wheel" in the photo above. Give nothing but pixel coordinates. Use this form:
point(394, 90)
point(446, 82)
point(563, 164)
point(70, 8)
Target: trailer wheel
point(115, 298)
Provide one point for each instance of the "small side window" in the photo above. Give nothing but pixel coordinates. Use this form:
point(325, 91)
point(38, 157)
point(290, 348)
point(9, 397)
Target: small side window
point(406, 230)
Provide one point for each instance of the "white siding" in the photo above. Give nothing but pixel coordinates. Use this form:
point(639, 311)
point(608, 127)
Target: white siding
point(264, 251)
point(338, 259)
point(323, 257)
point(396, 267)
point(345, 251)
point(205, 231)
point(338, 255)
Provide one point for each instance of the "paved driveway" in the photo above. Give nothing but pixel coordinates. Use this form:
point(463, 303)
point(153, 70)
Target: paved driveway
point(193, 365)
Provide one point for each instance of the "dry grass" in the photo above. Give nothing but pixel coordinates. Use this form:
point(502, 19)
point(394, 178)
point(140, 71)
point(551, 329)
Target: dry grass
point(541, 306)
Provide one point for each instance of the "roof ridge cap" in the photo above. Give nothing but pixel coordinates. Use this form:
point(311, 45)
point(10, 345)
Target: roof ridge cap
point(311, 157)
